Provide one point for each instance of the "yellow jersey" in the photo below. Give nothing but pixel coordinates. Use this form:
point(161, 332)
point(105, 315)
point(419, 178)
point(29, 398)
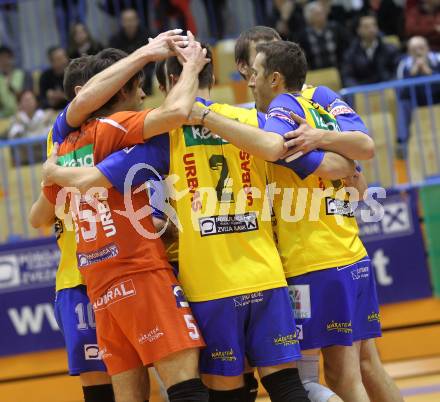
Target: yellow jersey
point(68, 275)
point(315, 224)
point(226, 246)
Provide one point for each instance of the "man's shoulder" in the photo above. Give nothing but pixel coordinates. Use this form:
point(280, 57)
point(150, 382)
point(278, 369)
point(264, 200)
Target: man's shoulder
point(120, 119)
point(285, 101)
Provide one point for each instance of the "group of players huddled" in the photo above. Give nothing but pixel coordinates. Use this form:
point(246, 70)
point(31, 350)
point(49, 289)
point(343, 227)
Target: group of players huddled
point(236, 283)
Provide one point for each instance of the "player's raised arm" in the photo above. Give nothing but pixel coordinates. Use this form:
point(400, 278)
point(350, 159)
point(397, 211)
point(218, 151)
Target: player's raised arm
point(99, 89)
point(177, 105)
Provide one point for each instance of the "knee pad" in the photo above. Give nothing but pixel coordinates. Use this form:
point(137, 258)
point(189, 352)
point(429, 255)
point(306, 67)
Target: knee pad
point(234, 395)
point(99, 393)
point(251, 385)
point(188, 391)
point(285, 386)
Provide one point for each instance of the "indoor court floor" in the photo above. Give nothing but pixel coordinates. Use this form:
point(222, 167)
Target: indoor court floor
point(418, 380)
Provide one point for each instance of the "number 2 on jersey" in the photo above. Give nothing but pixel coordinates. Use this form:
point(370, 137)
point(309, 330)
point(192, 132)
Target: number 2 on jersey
point(215, 162)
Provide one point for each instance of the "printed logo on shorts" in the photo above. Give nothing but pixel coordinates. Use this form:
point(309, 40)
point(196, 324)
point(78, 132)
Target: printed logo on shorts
point(300, 299)
point(178, 293)
point(374, 317)
point(340, 327)
point(360, 273)
point(286, 340)
point(224, 355)
point(151, 336)
point(91, 351)
point(251, 298)
point(86, 259)
point(115, 294)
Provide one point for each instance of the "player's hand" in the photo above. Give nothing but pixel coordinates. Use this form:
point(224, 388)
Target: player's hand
point(195, 117)
point(49, 166)
point(193, 55)
point(164, 45)
point(302, 140)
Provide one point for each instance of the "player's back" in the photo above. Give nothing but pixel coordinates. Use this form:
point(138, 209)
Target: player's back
point(226, 247)
point(109, 235)
point(317, 228)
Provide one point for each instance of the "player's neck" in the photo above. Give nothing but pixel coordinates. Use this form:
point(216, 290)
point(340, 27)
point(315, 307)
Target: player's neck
point(204, 93)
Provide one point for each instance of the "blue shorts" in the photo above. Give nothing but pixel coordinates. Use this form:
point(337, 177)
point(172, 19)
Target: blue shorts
point(336, 306)
point(258, 326)
point(76, 320)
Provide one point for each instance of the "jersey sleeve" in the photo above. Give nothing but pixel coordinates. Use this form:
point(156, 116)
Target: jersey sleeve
point(127, 130)
point(61, 128)
point(152, 159)
point(346, 117)
point(279, 121)
point(261, 119)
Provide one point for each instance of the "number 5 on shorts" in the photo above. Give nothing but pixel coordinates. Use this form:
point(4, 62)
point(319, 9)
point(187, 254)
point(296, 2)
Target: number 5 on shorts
point(193, 330)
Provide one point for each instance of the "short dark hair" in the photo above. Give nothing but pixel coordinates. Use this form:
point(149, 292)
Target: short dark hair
point(106, 58)
point(172, 66)
point(6, 50)
point(288, 59)
point(78, 72)
point(254, 34)
point(52, 50)
point(368, 14)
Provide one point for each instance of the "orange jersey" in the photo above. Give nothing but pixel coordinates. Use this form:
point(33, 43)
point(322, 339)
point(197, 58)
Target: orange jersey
point(108, 245)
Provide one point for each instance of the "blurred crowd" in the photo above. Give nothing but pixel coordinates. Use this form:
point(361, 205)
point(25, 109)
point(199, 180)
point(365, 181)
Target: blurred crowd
point(368, 41)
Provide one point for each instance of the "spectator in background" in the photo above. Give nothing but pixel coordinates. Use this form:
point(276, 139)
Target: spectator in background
point(66, 13)
point(323, 41)
point(131, 37)
point(177, 14)
point(12, 82)
point(343, 12)
point(51, 80)
point(389, 14)
point(288, 18)
point(81, 42)
point(423, 19)
point(420, 61)
point(30, 120)
point(369, 59)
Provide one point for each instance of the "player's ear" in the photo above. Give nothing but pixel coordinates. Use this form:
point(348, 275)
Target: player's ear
point(242, 68)
point(276, 79)
point(77, 89)
point(123, 93)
